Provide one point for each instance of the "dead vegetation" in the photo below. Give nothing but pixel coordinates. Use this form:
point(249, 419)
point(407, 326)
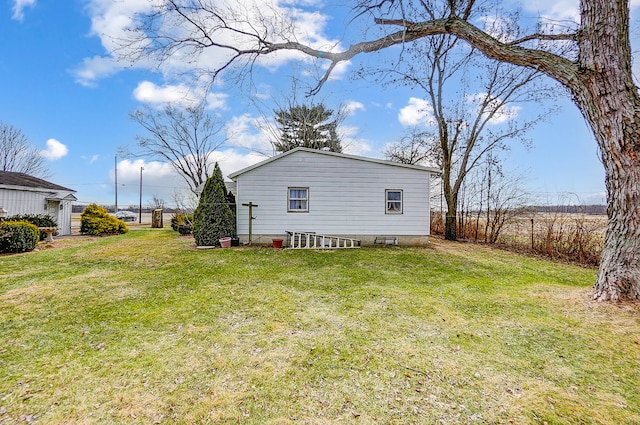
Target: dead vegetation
point(570, 237)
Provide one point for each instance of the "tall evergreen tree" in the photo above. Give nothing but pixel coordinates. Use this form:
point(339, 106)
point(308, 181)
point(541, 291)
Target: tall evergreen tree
point(213, 218)
point(309, 127)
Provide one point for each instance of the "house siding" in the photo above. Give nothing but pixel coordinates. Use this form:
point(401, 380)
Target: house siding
point(346, 198)
point(33, 201)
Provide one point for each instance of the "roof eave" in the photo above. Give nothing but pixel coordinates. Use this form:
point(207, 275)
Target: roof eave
point(328, 153)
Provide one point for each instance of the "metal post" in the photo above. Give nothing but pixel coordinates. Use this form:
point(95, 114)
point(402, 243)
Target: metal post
point(250, 205)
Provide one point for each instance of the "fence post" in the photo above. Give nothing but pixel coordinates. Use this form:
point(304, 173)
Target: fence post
point(532, 233)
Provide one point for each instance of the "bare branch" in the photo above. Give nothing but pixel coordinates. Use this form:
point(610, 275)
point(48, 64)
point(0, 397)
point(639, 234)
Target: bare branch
point(544, 37)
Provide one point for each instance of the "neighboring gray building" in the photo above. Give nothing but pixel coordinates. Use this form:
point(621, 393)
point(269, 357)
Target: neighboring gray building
point(24, 194)
point(307, 190)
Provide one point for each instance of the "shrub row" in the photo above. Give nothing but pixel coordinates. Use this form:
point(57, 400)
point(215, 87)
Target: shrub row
point(39, 220)
point(18, 236)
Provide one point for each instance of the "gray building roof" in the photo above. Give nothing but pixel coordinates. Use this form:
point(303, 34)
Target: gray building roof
point(9, 178)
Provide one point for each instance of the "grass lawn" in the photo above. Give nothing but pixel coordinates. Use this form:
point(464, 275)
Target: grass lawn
point(144, 328)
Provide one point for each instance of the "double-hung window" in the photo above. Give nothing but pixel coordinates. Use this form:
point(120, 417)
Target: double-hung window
point(393, 199)
point(298, 199)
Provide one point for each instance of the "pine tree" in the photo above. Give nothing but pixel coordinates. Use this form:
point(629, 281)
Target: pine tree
point(213, 218)
point(309, 127)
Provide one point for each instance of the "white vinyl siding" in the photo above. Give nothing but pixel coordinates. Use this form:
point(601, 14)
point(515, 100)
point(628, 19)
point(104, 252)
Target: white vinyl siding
point(17, 200)
point(347, 196)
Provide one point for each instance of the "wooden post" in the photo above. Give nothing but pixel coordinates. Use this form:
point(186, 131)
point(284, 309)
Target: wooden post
point(532, 233)
point(156, 219)
point(250, 205)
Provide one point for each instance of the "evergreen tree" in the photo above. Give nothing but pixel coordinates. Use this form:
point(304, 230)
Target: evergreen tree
point(309, 127)
point(213, 218)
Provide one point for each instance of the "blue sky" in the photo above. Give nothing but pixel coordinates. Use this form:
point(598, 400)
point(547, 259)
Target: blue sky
point(61, 86)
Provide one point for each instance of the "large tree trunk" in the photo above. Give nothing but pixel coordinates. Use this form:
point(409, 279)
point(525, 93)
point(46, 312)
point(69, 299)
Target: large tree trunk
point(451, 198)
point(609, 100)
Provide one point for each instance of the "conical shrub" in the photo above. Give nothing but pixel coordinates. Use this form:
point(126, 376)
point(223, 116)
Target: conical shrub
point(213, 218)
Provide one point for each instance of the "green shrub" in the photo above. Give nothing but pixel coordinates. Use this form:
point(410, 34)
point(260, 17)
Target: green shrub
point(180, 219)
point(96, 221)
point(39, 220)
point(213, 219)
point(18, 236)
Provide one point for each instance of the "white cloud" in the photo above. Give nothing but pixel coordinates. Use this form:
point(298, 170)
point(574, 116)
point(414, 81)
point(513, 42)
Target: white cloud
point(417, 112)
point(161, 180)
point(158, 179)
point(55, 150)
point(232, 160)
point(251, 133)
point(502, 113)
point(351, 107)
point(91, 160)
point(287, 20)
point(148, 92)
point(93, 69)
point(556, 10)
point(180, 94)
point(19, 6)
point(351, 144)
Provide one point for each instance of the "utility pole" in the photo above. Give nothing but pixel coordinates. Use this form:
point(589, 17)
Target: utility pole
point(116, 173)
point(251, 217)
point(140, 207)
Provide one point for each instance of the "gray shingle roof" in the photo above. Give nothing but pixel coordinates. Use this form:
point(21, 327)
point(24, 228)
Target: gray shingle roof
point(10, 178)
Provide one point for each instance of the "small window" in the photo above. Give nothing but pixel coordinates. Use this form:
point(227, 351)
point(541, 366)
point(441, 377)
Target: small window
point(298, 199)
point(393, 201)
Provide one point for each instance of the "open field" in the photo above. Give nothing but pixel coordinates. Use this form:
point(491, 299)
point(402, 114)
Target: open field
point(143, 328)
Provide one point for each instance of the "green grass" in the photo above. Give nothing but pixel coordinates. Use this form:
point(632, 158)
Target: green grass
point(144, 328)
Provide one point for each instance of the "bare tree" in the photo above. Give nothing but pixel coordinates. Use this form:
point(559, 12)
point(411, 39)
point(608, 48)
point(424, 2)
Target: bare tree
point(505, 199)
point(17, 154)
point(470, 124)
point(157, 203)
point(596, 71)
point(185, 138)
point(416, 148)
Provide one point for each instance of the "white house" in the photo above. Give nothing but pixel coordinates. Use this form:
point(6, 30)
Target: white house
point(24, 194)
point(307, 190)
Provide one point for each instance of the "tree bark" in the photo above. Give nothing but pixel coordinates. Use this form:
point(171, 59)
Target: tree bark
point(609, 101)
point(451, 198)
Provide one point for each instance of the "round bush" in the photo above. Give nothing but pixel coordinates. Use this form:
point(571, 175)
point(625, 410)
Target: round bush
point(97, 221)
point(18, 236)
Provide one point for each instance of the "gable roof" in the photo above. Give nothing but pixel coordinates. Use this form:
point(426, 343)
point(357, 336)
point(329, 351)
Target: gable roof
point(335, 154)
point(9, 178)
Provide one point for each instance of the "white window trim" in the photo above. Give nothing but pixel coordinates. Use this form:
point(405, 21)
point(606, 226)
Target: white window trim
point(387, 201)
point(289, 199)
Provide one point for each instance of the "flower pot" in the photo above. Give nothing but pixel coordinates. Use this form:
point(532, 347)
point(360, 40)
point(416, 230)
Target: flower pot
point(277, 243)
point(225, 242)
